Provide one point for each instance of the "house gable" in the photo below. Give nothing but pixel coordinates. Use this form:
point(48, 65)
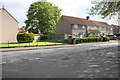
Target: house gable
point(9, 27)
point(63, 26)
point(9, 14)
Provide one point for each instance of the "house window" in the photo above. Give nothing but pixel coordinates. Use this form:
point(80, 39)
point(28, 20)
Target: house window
point(89, 27)
point(99, 28)
point(75, 26)
point(95, 27)
point(83, 27)
point(111, 29)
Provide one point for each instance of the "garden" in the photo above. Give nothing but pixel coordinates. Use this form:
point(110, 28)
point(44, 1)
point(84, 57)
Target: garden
point(26, 39)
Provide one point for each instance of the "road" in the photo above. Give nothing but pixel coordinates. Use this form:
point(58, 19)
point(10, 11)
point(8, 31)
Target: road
point(87, 61)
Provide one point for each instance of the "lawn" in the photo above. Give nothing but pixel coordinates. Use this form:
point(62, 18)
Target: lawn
point(29, 44)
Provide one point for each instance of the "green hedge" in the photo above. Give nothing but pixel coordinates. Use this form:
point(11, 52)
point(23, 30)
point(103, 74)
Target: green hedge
point(43, 37)
point(65, 40)
point(112, 38)
point(89, 39)
point(117, 34)
point(25, 37)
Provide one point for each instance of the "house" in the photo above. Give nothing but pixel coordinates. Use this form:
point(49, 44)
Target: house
point(8, 27)
point(116, 28)
point(22, 30)
point(77, 27)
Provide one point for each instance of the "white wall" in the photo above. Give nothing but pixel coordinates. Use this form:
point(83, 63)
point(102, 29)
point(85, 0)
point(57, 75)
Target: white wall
point(9, 27)
point(0, 25)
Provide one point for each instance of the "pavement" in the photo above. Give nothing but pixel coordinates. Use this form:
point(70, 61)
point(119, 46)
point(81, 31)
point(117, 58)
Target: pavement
point(50, 46)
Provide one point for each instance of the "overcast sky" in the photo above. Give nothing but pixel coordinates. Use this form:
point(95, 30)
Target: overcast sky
point(77, 8)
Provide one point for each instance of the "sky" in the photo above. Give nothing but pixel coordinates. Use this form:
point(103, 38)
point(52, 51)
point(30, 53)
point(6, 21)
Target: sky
point(76, 8)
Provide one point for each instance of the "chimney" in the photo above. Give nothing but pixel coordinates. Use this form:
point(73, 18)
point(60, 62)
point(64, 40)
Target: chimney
point(87, 17)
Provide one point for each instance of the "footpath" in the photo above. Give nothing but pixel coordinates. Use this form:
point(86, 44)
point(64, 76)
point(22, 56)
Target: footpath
point(51, 46)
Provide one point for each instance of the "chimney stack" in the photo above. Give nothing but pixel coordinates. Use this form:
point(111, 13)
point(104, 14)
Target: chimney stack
point(87, 17)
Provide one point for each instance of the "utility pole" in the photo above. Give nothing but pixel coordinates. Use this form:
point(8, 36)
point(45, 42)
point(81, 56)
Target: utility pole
point(118, 18)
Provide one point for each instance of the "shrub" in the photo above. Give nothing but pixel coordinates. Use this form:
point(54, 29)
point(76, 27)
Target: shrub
point(25, 37)
point(117, 34)
point(65, 40)
point(112, 38)
point(105, 38)
point(43, 37)
point(89, 39)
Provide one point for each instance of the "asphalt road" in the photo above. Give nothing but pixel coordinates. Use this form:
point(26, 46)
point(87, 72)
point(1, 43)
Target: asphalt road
point(88, 61)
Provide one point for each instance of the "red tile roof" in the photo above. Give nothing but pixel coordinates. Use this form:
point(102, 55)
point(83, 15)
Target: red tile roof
point(81, 21)
point(21, 29)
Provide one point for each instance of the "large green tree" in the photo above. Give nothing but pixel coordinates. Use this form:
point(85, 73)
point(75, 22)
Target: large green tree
point(42, 16)
point(106, 9)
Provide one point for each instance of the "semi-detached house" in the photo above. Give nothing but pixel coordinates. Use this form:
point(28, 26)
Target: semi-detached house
point(77, 27)
point(8, 27)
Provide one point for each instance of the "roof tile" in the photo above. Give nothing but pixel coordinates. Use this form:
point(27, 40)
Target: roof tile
point(81, 21)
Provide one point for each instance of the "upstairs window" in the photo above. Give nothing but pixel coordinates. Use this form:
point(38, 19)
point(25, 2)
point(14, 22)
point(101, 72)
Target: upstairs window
point(95, 27)
point(75, 26)
point(88, 27)
point(111, 29)
point(83, 27)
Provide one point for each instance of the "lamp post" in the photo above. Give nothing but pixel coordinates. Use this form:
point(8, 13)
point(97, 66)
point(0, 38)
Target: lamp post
point(86, 26)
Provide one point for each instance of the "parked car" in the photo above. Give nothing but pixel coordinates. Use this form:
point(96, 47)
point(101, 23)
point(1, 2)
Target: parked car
point(112, 36)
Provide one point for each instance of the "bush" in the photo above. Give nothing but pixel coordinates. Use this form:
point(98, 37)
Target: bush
point(43, 37)
point(112, 38)
point(25, 37)
point(65, 40)
point(117, 34)
point(105, 38)
point(89, 39)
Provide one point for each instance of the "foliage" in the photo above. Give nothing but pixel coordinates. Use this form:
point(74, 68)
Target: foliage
point(105, 9)
point(42, 16)
point(25, 37)
point(117, 34)
point(105, 39)
point(112, 38)
point(66, 40)
point(43, 37)
point(90, 39)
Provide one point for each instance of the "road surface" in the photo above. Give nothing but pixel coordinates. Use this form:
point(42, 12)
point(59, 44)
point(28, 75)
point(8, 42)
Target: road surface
point(87, 61)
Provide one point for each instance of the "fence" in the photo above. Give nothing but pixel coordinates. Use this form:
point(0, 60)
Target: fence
point(50, 41)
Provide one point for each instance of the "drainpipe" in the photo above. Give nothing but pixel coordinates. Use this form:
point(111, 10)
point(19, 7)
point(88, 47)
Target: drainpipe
point(86, 32)
point(118, 18)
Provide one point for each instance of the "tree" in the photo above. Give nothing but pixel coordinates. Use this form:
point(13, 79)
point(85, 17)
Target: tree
point(106, 9)
point(42, 16)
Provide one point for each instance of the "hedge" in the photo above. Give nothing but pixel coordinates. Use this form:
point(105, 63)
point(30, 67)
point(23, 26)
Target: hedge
point(117, 34)
point(25, 37)
point(65, 40)
point(43, 37)
point(90, 39)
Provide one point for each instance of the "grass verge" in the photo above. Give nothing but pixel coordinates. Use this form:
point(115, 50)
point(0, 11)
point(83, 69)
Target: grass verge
point(29, 44)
